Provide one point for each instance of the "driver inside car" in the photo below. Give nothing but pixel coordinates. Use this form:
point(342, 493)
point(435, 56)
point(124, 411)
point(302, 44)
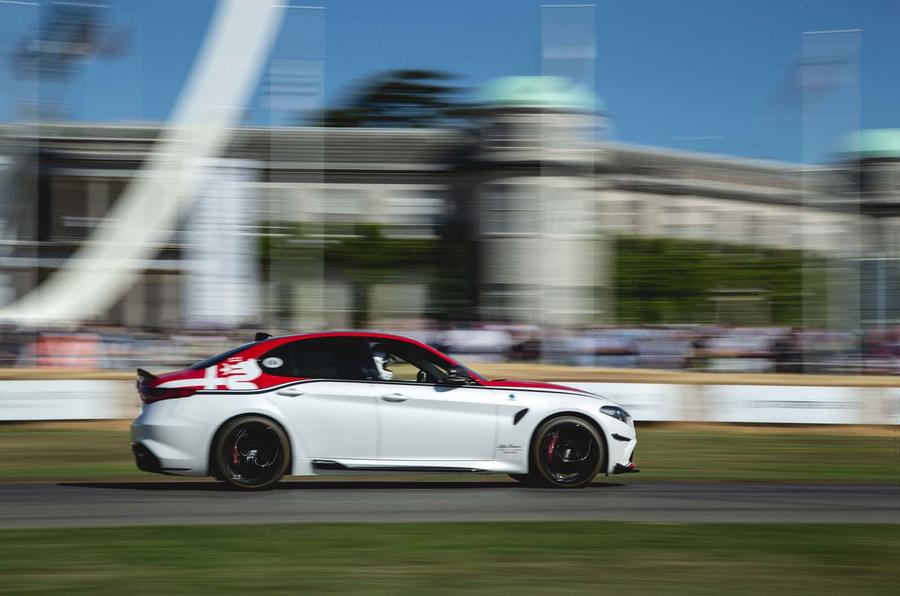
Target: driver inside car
point(382, 361)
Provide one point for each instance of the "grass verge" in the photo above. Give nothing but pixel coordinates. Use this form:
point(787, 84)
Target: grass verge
point(79, 451)
point(484, 558)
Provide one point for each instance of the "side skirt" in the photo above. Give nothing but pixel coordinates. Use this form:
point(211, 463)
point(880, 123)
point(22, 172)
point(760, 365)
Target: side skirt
point(325, 465)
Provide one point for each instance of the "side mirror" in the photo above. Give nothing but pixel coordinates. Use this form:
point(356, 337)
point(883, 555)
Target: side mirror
point(457, 375)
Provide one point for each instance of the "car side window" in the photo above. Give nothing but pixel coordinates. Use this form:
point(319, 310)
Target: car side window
point(398, 361)
point(341, 358)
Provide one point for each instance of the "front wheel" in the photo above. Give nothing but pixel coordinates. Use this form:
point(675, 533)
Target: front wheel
point(251, 452)
point(566, 452)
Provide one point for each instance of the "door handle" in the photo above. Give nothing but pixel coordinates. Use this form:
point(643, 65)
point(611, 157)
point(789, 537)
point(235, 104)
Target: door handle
point(290, 392)
point(394, 397)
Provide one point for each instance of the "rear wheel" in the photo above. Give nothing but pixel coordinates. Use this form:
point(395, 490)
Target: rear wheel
point(251, 452)
point(566, 452)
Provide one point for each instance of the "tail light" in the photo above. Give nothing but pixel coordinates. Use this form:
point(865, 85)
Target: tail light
point(152, 394)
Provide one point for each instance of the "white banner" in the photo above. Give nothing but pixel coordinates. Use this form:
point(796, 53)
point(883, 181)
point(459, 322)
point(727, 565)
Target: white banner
point(783, 404)
point(890, 409)
point(644, 401)
point(67, 400)
point(647, 402)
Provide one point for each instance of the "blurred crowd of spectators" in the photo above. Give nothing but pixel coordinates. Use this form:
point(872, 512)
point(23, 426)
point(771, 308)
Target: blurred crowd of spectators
point(702, 348)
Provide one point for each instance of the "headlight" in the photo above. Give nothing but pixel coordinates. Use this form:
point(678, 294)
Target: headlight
point(617, 413)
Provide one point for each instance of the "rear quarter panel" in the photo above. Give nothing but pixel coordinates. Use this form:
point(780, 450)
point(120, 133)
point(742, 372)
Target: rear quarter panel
point(209, 411)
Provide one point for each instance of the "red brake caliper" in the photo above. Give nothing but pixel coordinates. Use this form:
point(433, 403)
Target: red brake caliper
point(551, 446)
point(235, 457)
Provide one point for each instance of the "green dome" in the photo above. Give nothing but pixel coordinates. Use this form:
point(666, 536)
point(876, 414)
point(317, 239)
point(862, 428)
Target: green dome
point(871, 144)
point(540, 92)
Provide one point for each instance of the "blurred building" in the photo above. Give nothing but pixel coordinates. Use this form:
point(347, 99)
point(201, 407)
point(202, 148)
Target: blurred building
point(872, 159)
point(530, 190)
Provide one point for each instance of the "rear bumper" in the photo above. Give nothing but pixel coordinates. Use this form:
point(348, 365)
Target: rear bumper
point(145, 459)
point(165, 442)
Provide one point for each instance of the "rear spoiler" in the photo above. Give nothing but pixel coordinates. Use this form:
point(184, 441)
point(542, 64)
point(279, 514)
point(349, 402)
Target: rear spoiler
point(143, 374)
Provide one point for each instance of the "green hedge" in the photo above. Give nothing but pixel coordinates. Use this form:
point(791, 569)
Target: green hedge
point(664, 280)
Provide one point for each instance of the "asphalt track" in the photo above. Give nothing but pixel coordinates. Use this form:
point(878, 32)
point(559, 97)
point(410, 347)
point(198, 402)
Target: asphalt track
point(315, 500)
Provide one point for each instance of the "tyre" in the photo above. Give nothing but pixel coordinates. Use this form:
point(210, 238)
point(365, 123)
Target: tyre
point(251, 452)
point(566, 452)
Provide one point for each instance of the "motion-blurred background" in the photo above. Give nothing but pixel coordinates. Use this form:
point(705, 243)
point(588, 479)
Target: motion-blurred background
point(687, 186)
point(690, 207)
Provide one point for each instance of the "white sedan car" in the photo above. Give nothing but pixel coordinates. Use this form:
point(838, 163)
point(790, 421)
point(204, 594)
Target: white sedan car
point(332, 403)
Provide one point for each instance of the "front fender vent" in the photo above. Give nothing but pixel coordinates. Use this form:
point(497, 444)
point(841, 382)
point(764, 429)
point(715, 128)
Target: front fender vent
point(519, 415)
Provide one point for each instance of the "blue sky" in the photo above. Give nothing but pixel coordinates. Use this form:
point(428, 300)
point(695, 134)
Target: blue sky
point(702, 75)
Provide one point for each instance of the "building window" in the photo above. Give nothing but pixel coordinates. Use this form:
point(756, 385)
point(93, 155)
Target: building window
point(756, 233)
point(504, 300)
point(343, 209)
point(671, 224)
point(511, 209)
point(415, 212)
point(69, 217)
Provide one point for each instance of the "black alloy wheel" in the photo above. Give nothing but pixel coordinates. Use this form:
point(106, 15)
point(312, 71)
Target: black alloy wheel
point(252, 453)
point(567, 452)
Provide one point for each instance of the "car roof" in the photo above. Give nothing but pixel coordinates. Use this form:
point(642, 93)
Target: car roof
point(321, 334)
point(283, 339)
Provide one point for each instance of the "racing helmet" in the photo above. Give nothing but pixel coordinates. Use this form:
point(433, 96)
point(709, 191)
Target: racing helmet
point(382, 361)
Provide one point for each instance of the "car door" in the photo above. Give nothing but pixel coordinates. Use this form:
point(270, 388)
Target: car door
point(422, 420)
point(333, 411)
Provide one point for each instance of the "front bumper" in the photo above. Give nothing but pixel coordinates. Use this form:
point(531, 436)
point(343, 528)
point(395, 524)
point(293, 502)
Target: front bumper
point(621, 451)
point(628, 468)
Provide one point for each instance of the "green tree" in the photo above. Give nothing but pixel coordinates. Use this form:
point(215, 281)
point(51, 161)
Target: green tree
point(400, 98)
point(665, 280)
point(369, 257)
point(363, 260)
